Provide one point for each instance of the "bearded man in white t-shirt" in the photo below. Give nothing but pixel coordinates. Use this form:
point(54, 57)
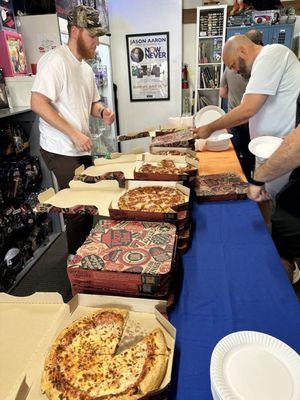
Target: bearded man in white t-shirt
point(269, 102)
point(64, 95)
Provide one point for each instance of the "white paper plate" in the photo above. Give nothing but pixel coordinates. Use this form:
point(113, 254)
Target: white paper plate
point(218, 136)
point(254, 366)
point(264, 146)
point(208, 114)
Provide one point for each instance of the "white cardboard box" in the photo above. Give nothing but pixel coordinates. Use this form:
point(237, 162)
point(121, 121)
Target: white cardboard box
point(20, 90)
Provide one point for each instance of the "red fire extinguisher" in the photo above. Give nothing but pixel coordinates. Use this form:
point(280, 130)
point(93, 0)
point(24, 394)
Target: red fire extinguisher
point(185, 77)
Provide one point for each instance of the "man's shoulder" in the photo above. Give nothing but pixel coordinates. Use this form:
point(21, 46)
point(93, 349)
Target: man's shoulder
point(275, 50)
point(56, 56)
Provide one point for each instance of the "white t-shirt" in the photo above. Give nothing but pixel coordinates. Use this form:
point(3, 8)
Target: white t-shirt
point(70, 85)
point(276, 73)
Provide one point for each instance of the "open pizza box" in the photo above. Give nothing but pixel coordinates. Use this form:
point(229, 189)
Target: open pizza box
point(135, 140)
point(180, 212)
point(167, 153)
point(130, 170)
point(179, 162)
point(29, 326)
point(101, 198)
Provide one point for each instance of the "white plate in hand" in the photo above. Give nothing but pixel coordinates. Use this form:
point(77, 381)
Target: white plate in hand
point(264, 146)
point(208, 114)
point(251, 365)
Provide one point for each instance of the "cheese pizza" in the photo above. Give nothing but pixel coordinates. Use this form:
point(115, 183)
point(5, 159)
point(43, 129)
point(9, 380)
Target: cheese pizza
point(82, 364)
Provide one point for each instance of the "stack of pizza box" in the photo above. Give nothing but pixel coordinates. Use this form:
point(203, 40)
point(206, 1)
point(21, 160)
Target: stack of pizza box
point(30, 325)
point(108, 181)
point(129, 258)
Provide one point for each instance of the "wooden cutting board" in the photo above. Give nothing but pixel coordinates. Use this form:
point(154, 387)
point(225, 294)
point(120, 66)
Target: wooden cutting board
point(218, 162)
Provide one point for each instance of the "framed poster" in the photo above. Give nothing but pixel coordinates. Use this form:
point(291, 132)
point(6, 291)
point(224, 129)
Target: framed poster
point(148, 66)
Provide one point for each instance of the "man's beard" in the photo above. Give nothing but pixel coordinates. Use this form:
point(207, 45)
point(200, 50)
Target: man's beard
point(244, 69)
point(84, 51)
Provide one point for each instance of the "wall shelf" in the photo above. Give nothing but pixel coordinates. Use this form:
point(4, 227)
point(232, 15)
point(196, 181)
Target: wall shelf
point(209, 47)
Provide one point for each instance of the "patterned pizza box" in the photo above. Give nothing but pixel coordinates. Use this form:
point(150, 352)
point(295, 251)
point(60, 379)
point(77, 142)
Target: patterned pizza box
point(219, 187)
point(129, 257)
point(176, 139)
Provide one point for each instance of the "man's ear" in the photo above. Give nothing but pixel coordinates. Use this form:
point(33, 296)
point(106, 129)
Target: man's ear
point(74, 32)
point(242, 51)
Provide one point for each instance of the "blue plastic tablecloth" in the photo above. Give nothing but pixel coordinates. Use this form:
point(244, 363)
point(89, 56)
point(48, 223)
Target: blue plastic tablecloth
point(233, 280)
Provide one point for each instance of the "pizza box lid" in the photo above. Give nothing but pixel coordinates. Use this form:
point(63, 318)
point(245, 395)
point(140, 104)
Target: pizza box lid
point(177, 139)
point(186, 151)
point(131, 247)
point(96, 172)
point(117, 158)
point(29, 325)
point(219, 187)
point(81, 197)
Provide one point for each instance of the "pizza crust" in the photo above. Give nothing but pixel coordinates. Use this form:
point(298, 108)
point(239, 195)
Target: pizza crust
point(78, 368)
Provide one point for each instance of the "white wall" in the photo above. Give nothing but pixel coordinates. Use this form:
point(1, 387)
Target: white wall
point(130, 17)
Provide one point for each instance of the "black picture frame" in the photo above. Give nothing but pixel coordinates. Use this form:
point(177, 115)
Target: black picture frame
point(148, 59)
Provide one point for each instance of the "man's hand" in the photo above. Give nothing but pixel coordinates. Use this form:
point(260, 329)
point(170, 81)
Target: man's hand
point(81, 141)
point(203, 132)
point(108, 116)
point(257, 193)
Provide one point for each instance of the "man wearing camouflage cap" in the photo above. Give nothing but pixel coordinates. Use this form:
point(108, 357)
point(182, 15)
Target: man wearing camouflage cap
point(64, 95)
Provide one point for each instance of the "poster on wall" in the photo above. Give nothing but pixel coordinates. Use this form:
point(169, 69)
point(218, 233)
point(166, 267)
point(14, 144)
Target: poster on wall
point(148, 66)
point(63, 7)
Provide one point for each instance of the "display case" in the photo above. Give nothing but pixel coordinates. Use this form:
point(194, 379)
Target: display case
point(211, 30)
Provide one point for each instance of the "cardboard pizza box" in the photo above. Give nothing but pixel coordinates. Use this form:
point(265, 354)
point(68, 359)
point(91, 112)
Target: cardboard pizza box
point(101, 198)
point(176, 139)
point(179, 152)
point(96, 173)
point(126, 258)
point(116, 213)
point(29, 326)
point(179, 163)
point(81, 197)
point(119, 158)
point(220, 187)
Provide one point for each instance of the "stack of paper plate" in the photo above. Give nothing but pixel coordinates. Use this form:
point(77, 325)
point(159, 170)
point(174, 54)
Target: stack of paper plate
point(218, 141)
point(254, 366)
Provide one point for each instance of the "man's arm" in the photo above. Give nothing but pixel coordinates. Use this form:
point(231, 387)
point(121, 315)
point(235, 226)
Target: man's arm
point(100, 111)
point(283, 160)
point(223, 92)
point(42, 105)
point(249, 106)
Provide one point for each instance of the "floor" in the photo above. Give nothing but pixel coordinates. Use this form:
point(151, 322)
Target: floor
point(49, 273)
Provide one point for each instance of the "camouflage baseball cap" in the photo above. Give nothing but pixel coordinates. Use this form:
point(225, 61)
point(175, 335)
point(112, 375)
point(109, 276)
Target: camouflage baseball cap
point(87, 17)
